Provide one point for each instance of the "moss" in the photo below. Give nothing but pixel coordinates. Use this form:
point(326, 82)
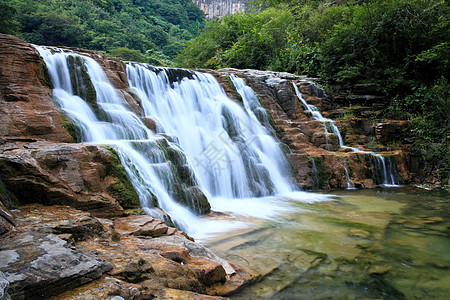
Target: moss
point(196, 200)
point(228, 123)
point(82, 85)
point(122, 188)
point(349, 166)
point(235, 93)
point(319, 173)
point(348, 224)
point(46, 80)
point(315, 253)
point(75, 131)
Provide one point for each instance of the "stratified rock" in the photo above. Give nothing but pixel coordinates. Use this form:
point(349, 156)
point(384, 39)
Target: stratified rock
point(65, 221)
point(26, 106)
point(140, 225)
point(196, 250)
point(66, 174)
point(306, 138)
point(38, 265)
point(7, 221)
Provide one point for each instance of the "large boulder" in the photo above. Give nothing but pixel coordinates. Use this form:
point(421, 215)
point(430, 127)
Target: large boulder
point(86, 177)
point(39, 265)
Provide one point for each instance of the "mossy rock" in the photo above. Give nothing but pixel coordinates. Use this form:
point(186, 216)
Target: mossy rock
point(235, 93)
point(82, 85)
point(229, 123)
point(121, 188)
point(196, 200)
point(46, 80)
point(319, 175)
point(72, 128)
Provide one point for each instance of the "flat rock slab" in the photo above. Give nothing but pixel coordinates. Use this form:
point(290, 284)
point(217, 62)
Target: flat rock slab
point(59, 219)
point(39, 265)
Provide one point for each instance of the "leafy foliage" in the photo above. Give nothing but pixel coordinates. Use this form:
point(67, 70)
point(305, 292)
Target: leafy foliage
point(133, 28)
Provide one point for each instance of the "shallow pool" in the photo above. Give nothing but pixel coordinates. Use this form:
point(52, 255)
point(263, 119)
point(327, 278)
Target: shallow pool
point(386, 243)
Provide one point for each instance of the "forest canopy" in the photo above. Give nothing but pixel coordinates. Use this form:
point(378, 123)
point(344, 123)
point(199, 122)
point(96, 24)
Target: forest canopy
point(148, 31)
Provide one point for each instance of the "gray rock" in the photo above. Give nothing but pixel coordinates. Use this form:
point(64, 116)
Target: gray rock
point(39, 266)
point(4, 284)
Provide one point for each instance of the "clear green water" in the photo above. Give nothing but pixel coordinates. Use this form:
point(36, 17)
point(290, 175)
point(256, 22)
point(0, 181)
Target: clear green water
point(365, 244)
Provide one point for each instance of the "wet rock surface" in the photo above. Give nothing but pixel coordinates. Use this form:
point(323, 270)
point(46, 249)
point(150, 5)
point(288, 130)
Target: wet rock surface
point(63, 252)
point(316, 157)
point(26, 106)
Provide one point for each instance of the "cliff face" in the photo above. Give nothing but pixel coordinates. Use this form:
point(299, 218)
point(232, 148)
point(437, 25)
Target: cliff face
point(220, 8)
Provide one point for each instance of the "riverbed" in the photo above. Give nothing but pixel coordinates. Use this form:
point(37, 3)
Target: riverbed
point(384, 243)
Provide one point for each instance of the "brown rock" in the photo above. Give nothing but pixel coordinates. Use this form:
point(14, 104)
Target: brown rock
point(7, 220)
point(66, 221)
point(65, 174)
point(104, 288)
point(26, 106)
point(182, 295)
point(140, 225)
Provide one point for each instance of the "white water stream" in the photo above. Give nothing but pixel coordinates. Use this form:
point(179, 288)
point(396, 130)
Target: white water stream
point(236, 163)
point(386, 172)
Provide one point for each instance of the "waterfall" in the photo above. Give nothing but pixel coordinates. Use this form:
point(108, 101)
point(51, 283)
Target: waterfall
point(111, 122)
point(325, 121)
point(378, 161)
point(231, 153)
point(350, 185)
point(204, 147)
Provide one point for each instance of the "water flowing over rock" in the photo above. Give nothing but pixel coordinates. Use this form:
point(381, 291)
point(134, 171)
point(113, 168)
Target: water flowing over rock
point(319, 152)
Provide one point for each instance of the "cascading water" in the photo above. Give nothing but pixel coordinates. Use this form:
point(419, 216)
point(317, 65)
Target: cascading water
point(231, 153)
point(220, 149)
point(326, 122)
point(139, 149)
point(379, 165)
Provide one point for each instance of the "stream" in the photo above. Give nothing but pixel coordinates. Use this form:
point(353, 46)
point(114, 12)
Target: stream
point(385, 243)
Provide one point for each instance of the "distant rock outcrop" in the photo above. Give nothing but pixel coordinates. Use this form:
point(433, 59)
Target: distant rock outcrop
point(220, 8)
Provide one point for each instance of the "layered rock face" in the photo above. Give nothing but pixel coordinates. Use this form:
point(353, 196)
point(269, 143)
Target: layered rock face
point(220, 8)
point(315, 154)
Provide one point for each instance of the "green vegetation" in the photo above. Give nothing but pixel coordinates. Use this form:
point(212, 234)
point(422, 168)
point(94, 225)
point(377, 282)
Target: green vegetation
point(121, 188)
point(401, 45)
point(146, 31)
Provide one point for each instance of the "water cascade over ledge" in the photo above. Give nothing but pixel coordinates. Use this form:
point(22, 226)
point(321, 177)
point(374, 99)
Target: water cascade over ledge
point(384, 171)
point(204, 146)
